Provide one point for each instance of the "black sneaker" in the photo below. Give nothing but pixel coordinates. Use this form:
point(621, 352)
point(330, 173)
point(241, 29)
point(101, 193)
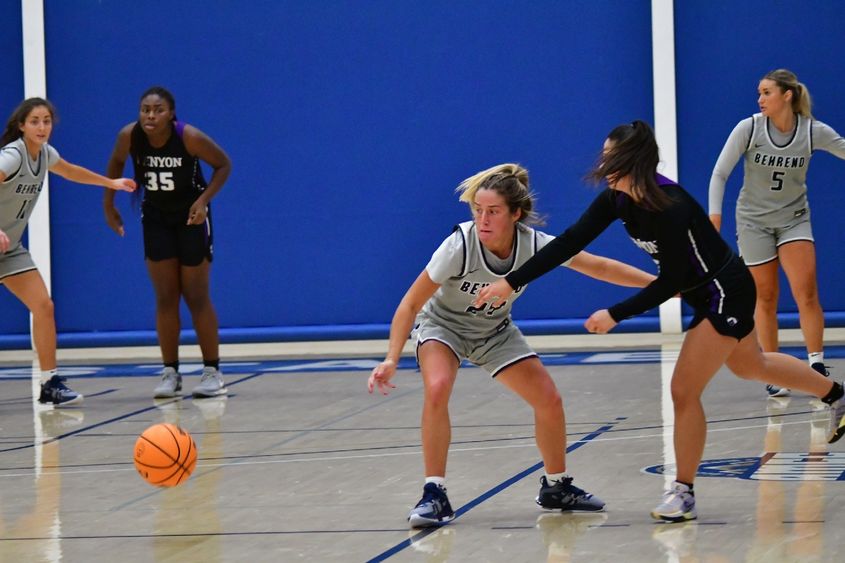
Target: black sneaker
point(55, 392)
point(821, 368)
point(433, 509)
point(563, 495)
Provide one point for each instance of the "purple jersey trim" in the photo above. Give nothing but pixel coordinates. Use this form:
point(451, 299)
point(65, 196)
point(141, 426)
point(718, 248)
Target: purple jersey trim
point(664, 181)
point(179, 126)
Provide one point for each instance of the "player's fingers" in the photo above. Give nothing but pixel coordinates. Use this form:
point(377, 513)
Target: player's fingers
point(385, 387)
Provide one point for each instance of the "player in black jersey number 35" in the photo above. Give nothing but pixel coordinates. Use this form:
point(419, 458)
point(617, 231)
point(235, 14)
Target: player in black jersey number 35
point(176, 220)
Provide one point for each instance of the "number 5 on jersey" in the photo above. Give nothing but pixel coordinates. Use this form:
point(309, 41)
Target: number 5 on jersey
point(160, 181)
point(777, 178)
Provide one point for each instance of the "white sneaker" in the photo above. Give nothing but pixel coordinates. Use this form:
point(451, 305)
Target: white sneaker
point(678, 505)
point(171, 384)
point(211, 384)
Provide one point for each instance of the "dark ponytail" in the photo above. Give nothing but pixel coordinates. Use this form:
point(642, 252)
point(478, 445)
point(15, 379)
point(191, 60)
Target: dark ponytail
point(632, 152)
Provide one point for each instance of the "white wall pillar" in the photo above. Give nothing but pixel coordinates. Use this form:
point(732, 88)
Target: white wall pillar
point(665, 122)
point(35, 84)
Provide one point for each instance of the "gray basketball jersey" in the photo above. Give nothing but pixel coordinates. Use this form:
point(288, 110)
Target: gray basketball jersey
point(774, 187)
point(462, 267)
point(20, 190)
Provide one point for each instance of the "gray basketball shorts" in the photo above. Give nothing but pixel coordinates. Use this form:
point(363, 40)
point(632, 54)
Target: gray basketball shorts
point(15, 261)
point(492, 354)
point(759, 244)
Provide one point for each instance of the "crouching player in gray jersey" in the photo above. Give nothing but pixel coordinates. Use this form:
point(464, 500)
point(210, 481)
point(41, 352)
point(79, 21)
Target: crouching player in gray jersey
point(450, 329)
point(772, 212)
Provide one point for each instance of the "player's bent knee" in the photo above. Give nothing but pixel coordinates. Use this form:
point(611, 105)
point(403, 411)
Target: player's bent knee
point(437, 391)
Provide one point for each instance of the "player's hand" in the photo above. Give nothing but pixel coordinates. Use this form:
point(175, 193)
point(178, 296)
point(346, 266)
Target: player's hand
point(495, 293)
point(198, 213)
point(113, 219)
point(381, 377)
point(123, 185)
point(4, 242)
point(600, 322)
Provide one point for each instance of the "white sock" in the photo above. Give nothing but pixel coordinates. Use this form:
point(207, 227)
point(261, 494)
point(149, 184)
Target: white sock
point(439, 481)
point(683, 487)
point(47, 374)
point(551, 477)
point(816, 357)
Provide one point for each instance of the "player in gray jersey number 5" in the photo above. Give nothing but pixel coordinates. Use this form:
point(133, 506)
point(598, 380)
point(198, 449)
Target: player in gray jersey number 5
point(772, 210)
point(450, 329)
point(25, 158)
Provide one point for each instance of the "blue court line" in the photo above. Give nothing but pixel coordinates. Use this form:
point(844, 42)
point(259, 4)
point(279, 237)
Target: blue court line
point(488, 494)
point(568, 358)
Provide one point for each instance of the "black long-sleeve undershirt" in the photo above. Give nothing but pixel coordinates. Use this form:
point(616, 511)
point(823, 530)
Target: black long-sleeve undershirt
point(680, 239)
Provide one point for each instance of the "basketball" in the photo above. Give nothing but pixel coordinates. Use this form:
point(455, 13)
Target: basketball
point(165, 455)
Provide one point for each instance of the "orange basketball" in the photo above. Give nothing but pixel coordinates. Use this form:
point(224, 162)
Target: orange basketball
point(165, 455)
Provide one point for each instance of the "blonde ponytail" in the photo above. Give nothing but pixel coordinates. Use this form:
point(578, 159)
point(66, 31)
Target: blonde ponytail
point(508, 180)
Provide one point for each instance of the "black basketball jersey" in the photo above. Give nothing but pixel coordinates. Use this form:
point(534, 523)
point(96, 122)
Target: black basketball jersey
point(680, 239)
point(171, 177)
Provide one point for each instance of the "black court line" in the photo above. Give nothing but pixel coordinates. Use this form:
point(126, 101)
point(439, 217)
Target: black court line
point(204, 534)
point(489, 494)
point(358, 428)
point(114, 419)
point(199, 475)
point(280, 454)
point(28, 398)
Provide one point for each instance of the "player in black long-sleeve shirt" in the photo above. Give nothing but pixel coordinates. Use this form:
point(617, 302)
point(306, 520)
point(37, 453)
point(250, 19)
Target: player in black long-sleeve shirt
point(666, 222)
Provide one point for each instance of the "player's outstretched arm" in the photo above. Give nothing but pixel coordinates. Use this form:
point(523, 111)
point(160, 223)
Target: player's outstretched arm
point(610, 270)
point(403, 320)
point(80, 175)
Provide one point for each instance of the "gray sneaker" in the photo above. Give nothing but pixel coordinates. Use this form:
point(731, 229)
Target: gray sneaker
point(678, 505)
point(837, 420)
point(211, 384)
point(171, 384)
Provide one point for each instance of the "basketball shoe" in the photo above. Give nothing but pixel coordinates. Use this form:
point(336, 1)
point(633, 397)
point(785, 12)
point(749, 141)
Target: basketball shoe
point(433, 509)
point(56, 393)
point(775, 391)
point(171, 384)
point(837, 421)
point(678, 505)
point(821, 368)
point(563, 495)
point(211, 384)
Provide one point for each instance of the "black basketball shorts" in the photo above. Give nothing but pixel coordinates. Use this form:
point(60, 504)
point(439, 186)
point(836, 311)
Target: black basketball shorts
point(727, 301)
point(166, 235)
